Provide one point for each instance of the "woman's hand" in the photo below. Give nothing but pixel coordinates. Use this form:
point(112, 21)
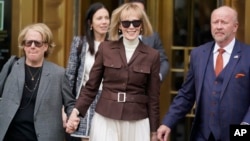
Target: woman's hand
point(154, 136)
point(73, 121)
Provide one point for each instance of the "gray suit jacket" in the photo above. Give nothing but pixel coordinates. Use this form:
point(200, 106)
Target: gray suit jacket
point(154, 41)
point(53, 92)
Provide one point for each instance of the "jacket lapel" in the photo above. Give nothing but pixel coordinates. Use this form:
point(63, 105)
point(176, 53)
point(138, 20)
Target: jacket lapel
point(20, 77)
point(139, 49)
point(43, 85)
point(204, 59)
point(122, 53)
point(234, 59)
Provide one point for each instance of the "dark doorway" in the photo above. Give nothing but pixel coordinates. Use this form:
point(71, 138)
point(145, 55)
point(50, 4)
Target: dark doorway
point(5, 31)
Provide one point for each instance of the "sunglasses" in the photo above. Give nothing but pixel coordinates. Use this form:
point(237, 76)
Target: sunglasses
point(135, 23)
point(28, 43)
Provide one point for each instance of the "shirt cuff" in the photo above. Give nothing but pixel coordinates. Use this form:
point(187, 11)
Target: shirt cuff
point(76, 111)
point(244, 123)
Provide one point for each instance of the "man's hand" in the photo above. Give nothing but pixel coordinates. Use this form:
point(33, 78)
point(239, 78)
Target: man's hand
point(163, 133)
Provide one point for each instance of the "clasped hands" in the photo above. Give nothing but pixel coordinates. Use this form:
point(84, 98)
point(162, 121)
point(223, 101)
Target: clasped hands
point(73, 121)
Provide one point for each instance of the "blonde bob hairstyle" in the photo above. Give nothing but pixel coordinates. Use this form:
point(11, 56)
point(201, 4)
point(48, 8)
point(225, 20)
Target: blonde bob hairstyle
point(124, 11)
point(45, 32)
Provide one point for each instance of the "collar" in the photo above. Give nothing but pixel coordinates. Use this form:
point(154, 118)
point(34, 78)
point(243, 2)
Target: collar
point(228, 48)
point(140, 37)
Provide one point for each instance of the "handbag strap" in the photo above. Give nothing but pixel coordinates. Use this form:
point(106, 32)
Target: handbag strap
point(6, 71)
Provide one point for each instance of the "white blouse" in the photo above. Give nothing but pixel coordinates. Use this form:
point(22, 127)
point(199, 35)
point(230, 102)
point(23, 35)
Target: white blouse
point(89, 62)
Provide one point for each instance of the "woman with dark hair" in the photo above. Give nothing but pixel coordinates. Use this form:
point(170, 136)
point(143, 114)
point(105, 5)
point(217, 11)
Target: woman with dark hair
point(82, 57)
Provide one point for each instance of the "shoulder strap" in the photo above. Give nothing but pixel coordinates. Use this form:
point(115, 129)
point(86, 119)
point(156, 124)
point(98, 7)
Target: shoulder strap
point(6, 71)
point(15, 58)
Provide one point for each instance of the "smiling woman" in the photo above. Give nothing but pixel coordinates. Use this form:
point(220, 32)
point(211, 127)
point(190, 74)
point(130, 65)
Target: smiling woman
point(122, 19)
point(131, 83)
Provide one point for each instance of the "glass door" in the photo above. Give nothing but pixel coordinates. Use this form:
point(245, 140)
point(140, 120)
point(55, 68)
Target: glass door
point(191, 28)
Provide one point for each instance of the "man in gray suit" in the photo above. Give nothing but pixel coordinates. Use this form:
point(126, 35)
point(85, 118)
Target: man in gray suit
point(34, 92)
point(154, 41)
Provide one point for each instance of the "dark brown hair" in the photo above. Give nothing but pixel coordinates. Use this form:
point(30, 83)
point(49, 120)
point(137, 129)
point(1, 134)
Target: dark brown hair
point(140, 1)
point(88, 21)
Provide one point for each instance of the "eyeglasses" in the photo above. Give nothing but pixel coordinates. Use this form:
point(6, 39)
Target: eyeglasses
point(135, 23)
point(28, 43)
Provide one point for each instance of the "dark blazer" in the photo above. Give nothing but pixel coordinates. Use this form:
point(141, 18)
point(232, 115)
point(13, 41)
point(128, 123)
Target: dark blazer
point(234, 97)
point(154, 41)
point(53, 92)
point(139, 79)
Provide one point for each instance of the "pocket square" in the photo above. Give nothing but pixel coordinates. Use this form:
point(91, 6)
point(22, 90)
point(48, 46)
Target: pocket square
point(239, 75)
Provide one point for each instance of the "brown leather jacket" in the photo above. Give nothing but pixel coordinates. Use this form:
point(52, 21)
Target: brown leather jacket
point(130, 90)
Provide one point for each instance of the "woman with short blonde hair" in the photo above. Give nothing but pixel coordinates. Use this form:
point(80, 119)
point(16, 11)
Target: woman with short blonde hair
point(125, 11)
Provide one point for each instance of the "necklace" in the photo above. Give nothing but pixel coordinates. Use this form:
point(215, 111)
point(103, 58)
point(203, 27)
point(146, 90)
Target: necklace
point(30, 89)
point(33, 75)
point(28, 103)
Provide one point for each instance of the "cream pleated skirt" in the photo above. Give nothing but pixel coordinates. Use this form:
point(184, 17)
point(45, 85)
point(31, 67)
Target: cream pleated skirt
point(107, 129)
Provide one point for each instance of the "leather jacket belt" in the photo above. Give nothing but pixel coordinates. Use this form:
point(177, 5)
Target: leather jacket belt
point(124, 97)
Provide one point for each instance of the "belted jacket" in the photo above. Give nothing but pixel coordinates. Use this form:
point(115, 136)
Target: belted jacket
point(130, 89)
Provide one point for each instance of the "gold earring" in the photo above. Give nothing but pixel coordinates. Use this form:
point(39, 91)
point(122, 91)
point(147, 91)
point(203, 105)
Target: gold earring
point(141, 32)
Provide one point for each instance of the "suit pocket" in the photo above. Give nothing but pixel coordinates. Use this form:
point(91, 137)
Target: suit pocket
point(112, 65)
point(112, 71)
point(140, 73)
point(239, 75)
point(141, 69)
